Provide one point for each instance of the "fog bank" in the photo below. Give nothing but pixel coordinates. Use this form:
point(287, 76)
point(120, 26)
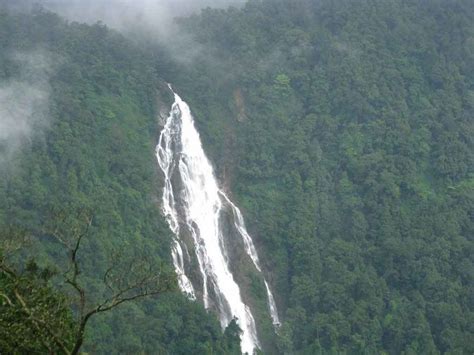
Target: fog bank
point(24, 101)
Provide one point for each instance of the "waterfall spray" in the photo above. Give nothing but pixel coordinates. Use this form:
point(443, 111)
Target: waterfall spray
point(193, 204)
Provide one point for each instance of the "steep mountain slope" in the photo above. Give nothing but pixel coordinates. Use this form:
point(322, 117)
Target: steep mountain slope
point(345, 130)
point(91, 147)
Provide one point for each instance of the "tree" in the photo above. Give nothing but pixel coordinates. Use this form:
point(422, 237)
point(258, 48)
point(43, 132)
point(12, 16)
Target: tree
point(34, 316)
point(232, 338)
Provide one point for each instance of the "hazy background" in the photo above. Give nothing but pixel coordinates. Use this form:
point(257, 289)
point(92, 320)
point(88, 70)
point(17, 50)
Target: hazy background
point(24, 99)
point(123, 14)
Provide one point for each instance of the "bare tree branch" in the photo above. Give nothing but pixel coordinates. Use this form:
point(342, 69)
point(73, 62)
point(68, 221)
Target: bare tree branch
point(40, 324)
point(7, 299)
point(124, 280)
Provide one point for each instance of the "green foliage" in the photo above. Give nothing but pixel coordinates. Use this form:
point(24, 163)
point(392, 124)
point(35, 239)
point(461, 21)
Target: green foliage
point(34, 318)
point(344, 130)
point(353, 164)
point(173, 325)
point(97, 154)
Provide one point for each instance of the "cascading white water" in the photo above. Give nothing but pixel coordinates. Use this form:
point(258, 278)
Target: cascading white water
point(252, 252)
point(165, 160)
point(189, 176)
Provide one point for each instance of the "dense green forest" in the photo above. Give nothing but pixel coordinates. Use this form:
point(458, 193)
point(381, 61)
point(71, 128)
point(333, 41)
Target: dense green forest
point(96, 154)
point(352, 155)
point(344, 129)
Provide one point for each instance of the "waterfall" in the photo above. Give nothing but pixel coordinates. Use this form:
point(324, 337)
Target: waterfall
point(193, 205)
point(252, 252)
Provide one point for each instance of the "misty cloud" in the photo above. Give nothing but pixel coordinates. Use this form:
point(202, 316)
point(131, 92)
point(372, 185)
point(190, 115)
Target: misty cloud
point(124, 15)
point(24, 101)
point(150, 19)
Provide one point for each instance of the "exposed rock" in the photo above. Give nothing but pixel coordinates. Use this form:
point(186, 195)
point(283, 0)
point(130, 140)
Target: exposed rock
point(240, 104)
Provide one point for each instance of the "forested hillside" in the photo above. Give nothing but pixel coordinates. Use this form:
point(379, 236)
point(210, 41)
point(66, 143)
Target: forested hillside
point(343, 129)
point(93, 151)
point(351, 149)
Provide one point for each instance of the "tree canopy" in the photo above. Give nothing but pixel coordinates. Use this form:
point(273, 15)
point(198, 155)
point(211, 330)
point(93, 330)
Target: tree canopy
point(343, 129)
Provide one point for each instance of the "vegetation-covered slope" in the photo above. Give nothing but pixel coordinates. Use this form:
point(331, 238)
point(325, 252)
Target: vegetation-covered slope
point(343, 128)
point(94, 152)
point(351, 150)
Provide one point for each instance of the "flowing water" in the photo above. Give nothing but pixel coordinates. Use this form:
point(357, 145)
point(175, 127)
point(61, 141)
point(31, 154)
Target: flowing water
point(193, 205)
